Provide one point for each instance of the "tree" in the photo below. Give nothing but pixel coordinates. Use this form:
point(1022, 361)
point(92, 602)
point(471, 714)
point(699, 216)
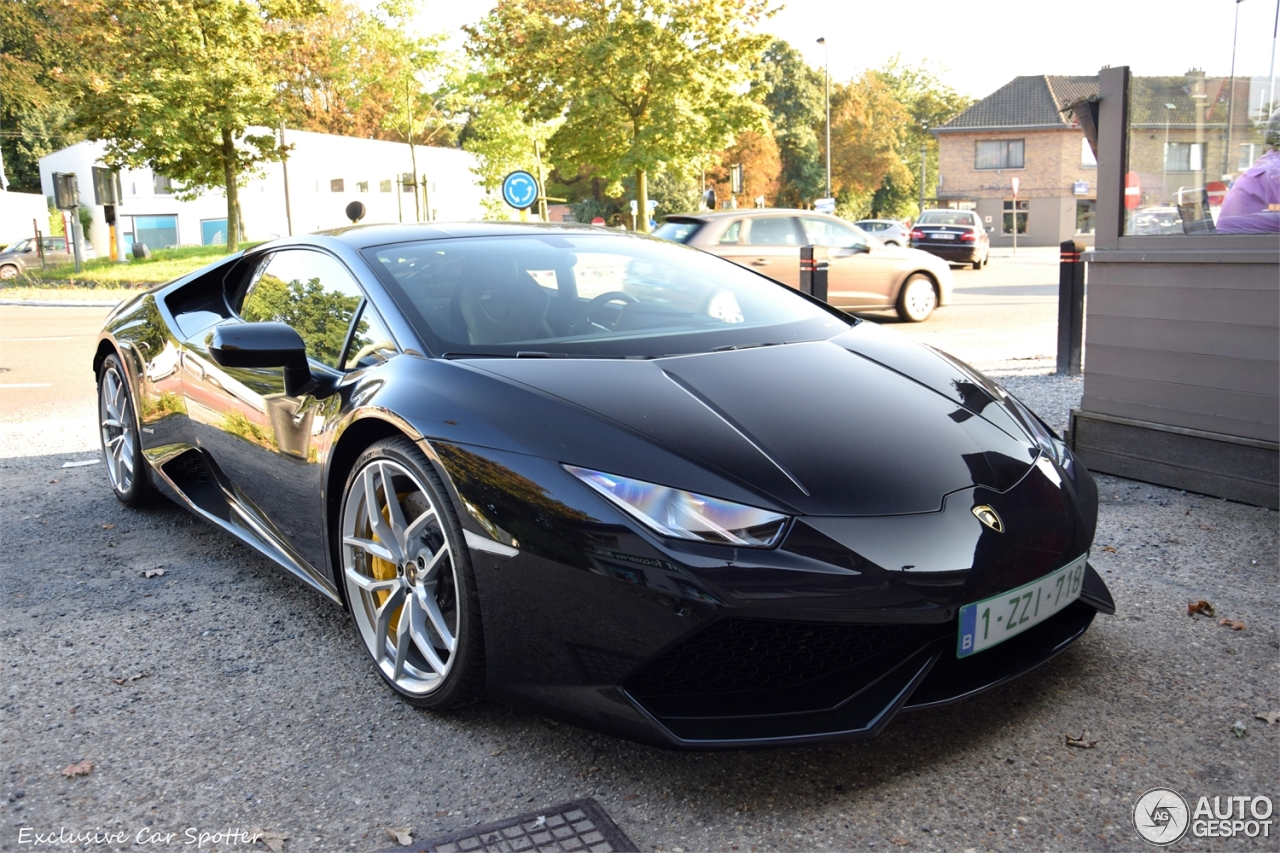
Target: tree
point(929, 104)
point(184, 87)
point(867, 128)
point(639, 83)
point(792, 92)
point(34, 112)
point(757, 154)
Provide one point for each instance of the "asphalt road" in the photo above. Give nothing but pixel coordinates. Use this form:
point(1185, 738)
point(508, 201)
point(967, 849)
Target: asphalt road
point(224, 695)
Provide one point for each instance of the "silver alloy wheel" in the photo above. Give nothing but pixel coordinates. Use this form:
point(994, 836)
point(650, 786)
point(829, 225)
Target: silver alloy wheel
point(401, 576)
point(119, 443)
point(918, 298)
point(8, 271)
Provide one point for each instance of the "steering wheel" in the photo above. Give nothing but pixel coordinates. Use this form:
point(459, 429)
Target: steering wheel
point(582, 319)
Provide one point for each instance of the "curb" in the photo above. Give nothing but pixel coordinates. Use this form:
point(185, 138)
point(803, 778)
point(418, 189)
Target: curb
point(38, 303)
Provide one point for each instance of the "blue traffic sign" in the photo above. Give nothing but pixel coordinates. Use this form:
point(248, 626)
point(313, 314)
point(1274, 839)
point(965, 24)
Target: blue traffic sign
point(520, 190)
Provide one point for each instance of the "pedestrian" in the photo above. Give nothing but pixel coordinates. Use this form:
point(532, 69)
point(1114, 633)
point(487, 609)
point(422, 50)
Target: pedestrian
point(1252, 205)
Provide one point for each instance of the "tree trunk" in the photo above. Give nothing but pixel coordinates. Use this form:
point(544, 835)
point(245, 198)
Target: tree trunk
point(233, 192)
point(642, 201)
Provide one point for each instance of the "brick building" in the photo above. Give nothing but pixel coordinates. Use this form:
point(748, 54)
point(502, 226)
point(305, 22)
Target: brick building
point(1023, 131)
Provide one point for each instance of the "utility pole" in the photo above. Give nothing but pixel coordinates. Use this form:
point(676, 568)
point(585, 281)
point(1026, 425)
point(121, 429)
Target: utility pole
point(413, 156)
point(826, 77)
point(284, 167)
point(542, 182)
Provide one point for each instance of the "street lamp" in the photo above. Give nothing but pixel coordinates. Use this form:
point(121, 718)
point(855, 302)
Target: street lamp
point(826, 78)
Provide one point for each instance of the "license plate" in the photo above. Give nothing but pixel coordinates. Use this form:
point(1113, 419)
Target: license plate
point(942, 236)
point(996, 619)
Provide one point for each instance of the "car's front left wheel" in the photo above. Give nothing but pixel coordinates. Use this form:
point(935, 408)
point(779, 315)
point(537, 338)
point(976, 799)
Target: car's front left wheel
point(118, 429)
point(407, 575)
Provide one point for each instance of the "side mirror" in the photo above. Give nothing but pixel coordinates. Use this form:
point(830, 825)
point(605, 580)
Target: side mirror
point(860, 248)
point(264, 345)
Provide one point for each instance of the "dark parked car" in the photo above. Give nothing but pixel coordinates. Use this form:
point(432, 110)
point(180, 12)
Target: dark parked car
point(607, 476)
point(957, 236)
point(863, 273)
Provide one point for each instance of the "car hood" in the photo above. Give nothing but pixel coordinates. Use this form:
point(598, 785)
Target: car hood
point(837, 427)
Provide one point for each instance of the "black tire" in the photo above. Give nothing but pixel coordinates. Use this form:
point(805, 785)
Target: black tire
point(979, 263)
point(8, 272)
point(430, 574)
point(127, 469)
point(914, 305)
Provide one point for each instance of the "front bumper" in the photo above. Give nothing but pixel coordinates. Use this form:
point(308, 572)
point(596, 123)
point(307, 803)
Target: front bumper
point(827, 637)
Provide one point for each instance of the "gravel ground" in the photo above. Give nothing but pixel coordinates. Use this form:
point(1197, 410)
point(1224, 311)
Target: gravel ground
point(224, 695)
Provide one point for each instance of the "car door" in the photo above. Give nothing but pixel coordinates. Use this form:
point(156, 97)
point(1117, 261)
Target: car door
point(56, 252)
point(862, 273)
point(770, 245)
point(271, 446)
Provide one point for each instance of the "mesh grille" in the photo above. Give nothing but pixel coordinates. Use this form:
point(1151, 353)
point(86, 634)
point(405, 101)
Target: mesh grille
point(737, 655)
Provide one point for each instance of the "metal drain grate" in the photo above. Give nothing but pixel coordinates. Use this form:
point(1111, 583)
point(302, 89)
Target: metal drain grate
point(581, 825)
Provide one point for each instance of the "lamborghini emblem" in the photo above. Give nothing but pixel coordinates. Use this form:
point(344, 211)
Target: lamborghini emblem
point(988, 516)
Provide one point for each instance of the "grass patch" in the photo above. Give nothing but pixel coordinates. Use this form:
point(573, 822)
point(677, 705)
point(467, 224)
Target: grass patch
point(163, 265)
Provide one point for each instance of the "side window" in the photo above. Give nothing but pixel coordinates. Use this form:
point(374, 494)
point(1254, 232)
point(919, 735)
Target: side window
point(371, 343)
point(732, 233)
point(833, 235)
point(773, 231)
point(310, 291)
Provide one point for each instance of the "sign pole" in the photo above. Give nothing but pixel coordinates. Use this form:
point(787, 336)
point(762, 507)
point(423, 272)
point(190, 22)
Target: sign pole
point(1015, 215)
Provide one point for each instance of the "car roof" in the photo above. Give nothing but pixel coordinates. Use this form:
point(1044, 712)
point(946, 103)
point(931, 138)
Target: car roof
point(708, 215)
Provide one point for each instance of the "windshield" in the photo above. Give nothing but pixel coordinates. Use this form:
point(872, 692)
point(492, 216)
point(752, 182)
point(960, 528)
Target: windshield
point(21, 246)
point(588, 295)
point(945, 217)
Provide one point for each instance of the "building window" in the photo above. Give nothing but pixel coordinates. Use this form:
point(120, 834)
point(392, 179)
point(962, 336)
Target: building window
point(1184, 156)
point(157, 232)
point(213, 232)
point(999, 154)
point(161, 184)
point(384, 186)
point(1248, 154)
point(1087, 160)
point(1023, 207)
point(336, 185)
point(362, 186)
point(1086, 211)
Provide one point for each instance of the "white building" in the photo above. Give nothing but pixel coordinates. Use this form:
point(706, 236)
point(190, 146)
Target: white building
point(325, 174)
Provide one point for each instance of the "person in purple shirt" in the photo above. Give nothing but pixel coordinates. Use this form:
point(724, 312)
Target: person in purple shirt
point(1252, 205)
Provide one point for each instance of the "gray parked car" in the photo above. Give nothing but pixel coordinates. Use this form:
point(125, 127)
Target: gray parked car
point(863, 273)
point(891, 232)
point(22, 255)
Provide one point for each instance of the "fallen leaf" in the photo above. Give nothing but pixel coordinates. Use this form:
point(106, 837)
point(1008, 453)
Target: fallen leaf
point(901, 842)
point(83, 768)
point(1233, 624)
point(541, 822)
point(401, 835)
point(629, 797)
point(53, 481)
point(108, 527)
point(499, 751)
point(1238, 728)
point(1081, 742)
point(1270, 717)
point(154, 573)
point(124, 681)
point(1109, 549)
point(1199, 606)
point(273, 841)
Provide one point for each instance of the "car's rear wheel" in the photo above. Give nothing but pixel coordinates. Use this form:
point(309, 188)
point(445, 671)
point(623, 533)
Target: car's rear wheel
point(979, 263)
point(118, 429)
point(407, 576)
point(8, 271)
point(917, 299)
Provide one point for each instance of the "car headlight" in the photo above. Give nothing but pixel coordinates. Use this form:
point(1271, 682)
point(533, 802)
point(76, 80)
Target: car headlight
point(685, 515)
point(1052, 446)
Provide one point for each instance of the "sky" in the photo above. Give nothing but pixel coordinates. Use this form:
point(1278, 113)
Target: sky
point(979, 45)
